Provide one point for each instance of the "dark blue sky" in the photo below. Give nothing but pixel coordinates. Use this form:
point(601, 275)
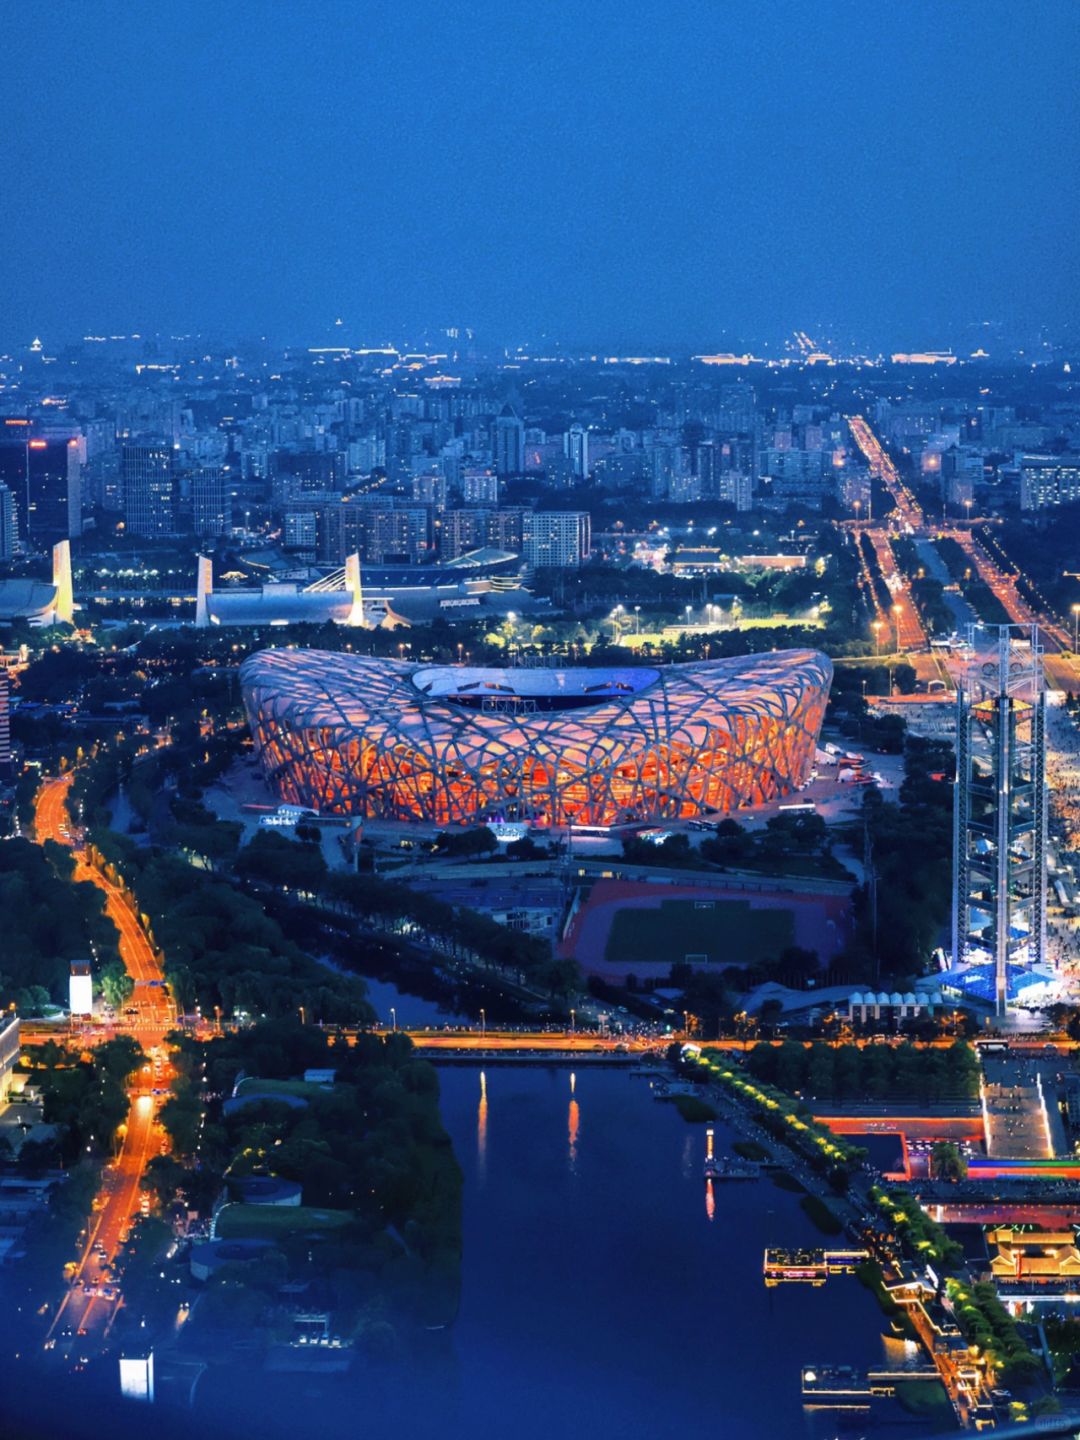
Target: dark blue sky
point(624, 172)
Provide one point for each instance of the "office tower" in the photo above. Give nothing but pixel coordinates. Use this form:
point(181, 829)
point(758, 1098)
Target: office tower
point(555, 538)
point(1049, 480)
point(210, 501)
point(429, 488)
point(149, 488)
point(8, 532)
point(462, 531)
point(305, 472)
point(663, 463)
point(737, 488)
point(480, 487)
point(1000, 807)
point(576, 450)
point(44, 477)
point(5, 722)
point(707, 467)
point(300, 529)
point(53, 490)
point(505, 530)
point(509, 443)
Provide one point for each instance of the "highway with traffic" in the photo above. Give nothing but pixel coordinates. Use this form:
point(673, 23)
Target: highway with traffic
point(86, 1314)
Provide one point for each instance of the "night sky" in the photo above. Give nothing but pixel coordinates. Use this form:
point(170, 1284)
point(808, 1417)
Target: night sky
point(608, 171)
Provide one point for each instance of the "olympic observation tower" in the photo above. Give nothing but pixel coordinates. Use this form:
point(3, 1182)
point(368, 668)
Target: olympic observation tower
point(1000, 809)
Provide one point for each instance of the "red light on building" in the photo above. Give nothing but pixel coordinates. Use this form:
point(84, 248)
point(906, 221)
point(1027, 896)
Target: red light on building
point(16, 422)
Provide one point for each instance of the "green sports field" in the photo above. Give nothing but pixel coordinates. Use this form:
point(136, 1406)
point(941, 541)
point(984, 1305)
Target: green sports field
point(727, 932)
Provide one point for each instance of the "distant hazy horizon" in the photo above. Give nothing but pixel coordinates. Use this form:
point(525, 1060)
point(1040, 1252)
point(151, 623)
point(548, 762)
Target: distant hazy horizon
point(681, 175)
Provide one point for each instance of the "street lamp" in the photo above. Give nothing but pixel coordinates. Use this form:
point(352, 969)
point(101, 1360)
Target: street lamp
point(898, 610)
point(1076, 617)
point(637, 619)
point(573, 1017)
point(393, 1018)
point(876, 627)
point(483, 1023)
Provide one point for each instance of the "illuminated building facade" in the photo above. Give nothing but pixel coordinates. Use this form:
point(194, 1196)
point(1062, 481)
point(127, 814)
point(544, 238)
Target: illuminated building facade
point(353, 735)
point(1000, 815)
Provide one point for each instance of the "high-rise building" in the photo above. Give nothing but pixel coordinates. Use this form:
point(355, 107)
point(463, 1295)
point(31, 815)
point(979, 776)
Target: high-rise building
point(210, 501)
point(44, 477)
point(53, 490)
point(576, 450)
point(509, 443)
point(462, 531)
point(381, 533)
point(1000, 814)
point(5, 722)
point(555, 538)
point(480, 487)
point(8, 531)
point(149, 488)
point(1049, 480)
point(429, 488)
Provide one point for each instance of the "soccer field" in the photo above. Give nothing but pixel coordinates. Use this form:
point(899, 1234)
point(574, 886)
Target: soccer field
point(724, 932)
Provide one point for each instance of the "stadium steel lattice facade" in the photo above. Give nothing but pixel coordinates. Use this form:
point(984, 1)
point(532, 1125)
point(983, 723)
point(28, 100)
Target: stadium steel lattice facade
point(388, 740)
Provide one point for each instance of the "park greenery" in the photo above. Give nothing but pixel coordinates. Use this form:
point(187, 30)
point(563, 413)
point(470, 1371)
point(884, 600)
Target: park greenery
point(847, 1072)
point(50, 919)
point(788, 844)
point(383, 905)
point(947, 1162)
point(378, 1232)
point(922, 1238)
point(902, 919)
point(220, 950)
point(84, 1100)
point(962, 571)
point(987, 1324)
point(780, 1115)
point(926, 592)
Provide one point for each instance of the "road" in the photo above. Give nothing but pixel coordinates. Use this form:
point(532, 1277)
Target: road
point(875, 455)
point(89, 1307)
point(910, 634)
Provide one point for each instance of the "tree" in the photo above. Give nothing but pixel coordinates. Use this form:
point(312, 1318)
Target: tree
point(120, 1057)
point(473, 842)
point(116, 984)
point(732, 842)
point(947, 1163)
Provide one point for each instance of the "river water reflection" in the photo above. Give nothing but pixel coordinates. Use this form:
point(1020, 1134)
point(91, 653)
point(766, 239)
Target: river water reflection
point(605, 1291)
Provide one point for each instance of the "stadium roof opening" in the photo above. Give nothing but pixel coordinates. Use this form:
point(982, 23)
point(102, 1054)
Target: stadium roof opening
point(547, 689)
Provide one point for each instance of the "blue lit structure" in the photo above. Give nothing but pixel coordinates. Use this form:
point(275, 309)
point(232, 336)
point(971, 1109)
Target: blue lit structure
point(999, 838)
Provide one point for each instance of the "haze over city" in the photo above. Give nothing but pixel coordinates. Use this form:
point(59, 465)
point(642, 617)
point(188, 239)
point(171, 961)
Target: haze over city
point(600, 175)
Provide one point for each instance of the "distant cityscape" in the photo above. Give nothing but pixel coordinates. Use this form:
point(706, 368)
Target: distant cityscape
point(384, 732)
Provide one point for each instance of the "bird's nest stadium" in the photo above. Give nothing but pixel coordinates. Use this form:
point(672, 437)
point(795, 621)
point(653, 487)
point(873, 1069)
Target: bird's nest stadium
point(443, 744)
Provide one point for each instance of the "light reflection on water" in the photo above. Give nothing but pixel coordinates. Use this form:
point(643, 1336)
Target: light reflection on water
point(573, 1125)
point(481, 1131)
point(594, 1286)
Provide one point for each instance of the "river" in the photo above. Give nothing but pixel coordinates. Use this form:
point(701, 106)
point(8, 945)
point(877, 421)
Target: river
point(604, 1292)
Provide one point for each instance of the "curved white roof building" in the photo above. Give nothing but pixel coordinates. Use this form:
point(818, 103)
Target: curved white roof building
point(353, 735)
